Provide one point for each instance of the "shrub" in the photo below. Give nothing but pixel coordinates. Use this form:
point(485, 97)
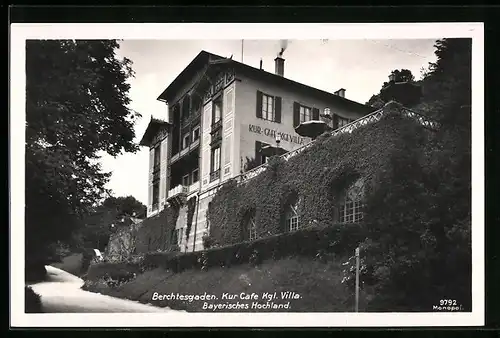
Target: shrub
point(208, 241)
point(339, 239)
point(157, 259)
point(319, 176)
point(32, 301)
point(35, 271)
point(156, 232)
point(113, 273)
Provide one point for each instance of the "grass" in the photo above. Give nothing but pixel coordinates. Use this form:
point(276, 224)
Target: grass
point(72, 264)
point(317, 282)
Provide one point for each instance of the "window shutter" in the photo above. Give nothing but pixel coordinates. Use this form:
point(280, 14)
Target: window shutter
point(151, 159)
point(259, 104)
point(296, 117)
point(277, 108)
point(335, 121)
point(315, 114)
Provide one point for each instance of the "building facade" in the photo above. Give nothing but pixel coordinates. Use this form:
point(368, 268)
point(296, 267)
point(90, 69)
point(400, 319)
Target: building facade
point(221, 115)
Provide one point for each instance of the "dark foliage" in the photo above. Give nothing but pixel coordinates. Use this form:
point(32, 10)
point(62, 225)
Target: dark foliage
point(35, 270)
point(419, 247)
point(417, 218)
point(111, 215)
point(326, 169)
point(191, 206)
point(32, 301)
point(339, 239)
point(156, 233)
point(113, 273)
point(384, 95)
point(76, 108)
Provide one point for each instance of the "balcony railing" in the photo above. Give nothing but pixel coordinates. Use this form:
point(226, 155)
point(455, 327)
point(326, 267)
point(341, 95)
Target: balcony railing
point(194, 187)
point(214, 175)
point(192, 117)
point(193, 145)
point(178, 190)
point(391, 107)
point(216, 126)
point(216, 138)
point(156, 172)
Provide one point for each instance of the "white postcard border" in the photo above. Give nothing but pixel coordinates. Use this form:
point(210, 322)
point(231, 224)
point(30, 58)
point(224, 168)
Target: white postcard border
point(21, 32)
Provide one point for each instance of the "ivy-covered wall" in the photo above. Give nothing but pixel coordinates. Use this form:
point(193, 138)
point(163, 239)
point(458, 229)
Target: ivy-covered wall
point(123, 242)
point(156, 233)
point(319, 175)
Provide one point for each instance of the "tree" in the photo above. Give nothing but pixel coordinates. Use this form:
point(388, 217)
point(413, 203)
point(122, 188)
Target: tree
point(400, 76)
point(76, 107)
point(126, 206)
point(419, 220)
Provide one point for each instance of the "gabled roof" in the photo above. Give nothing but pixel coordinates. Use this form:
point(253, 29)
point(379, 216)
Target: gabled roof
point(203, 58)
point(154, 126)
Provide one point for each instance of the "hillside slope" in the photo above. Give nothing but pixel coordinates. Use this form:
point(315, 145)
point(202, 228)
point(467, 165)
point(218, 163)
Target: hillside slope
point(317, 284)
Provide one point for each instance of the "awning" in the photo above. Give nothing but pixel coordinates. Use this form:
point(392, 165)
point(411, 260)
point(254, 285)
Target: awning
point(312, 128)
point(269, 150)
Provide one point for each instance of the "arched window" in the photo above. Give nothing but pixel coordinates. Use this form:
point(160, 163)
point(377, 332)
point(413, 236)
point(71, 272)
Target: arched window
point(292, 220)
point(249, 227)
point(252, 228)
point(351, 210)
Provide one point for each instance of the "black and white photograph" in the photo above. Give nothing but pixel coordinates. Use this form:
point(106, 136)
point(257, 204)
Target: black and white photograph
point(255, 176)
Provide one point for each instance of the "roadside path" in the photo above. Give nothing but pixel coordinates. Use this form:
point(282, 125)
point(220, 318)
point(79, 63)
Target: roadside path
point(62, 293)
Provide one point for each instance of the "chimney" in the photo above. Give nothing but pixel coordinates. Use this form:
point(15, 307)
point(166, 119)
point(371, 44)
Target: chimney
point(340, 92)
point(279, 64)
point(261, 64)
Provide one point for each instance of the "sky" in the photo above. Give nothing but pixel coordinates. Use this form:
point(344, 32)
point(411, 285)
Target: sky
point(359, 66)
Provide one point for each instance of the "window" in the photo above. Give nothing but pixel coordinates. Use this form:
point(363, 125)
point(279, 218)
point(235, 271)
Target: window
point(217, 110)
point(292, 216)
point(351, 211)
point(195, 176)
point(215, 164)
point(185, 180)
point(249, 227)
point(305, 114)
point(185, 141)
point(215, 159)
point(253, 228)
point(343, 121)
point(157, 157)
point(156, 194)
point(267, 107)
point(302, 113)
point(196, 134)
